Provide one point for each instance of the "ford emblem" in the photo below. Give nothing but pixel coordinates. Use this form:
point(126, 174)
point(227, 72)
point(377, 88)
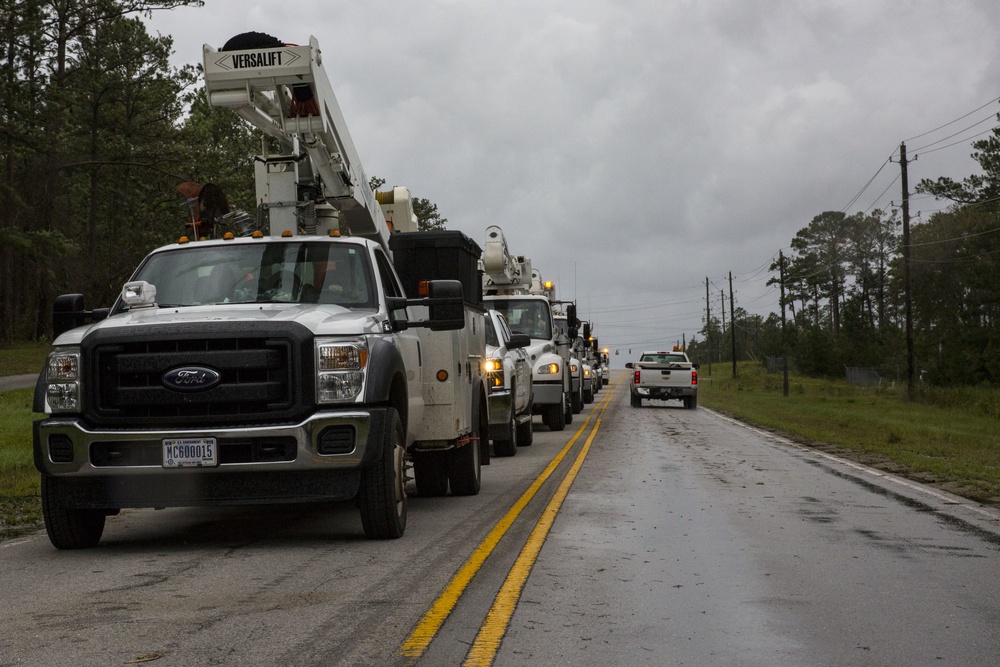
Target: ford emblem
point(191, 378)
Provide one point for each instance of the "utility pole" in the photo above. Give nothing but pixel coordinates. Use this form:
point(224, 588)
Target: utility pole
point(732, 321)
point(908, 298)
point(708, 328)
point(722, 293)
point(784, 335)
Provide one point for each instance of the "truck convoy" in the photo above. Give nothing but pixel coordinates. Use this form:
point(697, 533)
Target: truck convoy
point(663, 375)
point(315, 358)
point(513, 288)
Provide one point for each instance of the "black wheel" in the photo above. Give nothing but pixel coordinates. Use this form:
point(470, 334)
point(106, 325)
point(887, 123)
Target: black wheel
point(508, 446)
point(69, 528)
point(465, 469)
point(568, 410)
point(382, 496)
point(555, 417)
point(430, 474)
point(692, 402)
point(588, 397)
point(525, 433)
point(576, 403)
point(636, 401)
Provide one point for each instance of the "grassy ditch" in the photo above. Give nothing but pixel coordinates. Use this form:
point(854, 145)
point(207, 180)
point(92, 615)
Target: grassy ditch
point(945, 437)
point(20, 507)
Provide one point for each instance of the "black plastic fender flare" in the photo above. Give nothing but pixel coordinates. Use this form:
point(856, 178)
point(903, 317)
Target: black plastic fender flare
point(384, 362)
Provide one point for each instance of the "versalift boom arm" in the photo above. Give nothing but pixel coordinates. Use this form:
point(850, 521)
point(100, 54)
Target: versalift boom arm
point(283, 90)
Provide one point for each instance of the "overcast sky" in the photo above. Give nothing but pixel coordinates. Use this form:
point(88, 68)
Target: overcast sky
point(633, 149)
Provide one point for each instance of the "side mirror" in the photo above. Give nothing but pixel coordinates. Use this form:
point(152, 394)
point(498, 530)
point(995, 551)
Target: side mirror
point(67, 313)
point(518, 340)
point(629, 365)
point(445, 305)
point(696, 366)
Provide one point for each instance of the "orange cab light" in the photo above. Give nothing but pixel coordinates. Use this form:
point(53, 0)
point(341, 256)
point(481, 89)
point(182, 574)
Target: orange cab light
point(182, 240)
point(228, 236)
point(257, 234)
point(287, 234)
point(423, 288)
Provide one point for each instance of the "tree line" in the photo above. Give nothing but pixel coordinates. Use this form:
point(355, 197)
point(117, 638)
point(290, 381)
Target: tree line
point(844, 296)
point(99, 133)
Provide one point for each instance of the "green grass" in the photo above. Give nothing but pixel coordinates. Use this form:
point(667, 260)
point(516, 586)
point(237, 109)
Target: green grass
point(945, 437)
point(20, 508)
point(21, 358)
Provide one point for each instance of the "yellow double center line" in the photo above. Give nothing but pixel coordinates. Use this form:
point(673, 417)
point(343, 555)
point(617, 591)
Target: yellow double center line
point(488, 640)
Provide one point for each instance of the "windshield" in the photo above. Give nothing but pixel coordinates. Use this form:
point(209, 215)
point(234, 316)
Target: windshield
point(308, 272)
point(527, 316)
point(663, 358)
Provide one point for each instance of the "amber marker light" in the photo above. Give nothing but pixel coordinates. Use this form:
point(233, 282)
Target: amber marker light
point(442, 375)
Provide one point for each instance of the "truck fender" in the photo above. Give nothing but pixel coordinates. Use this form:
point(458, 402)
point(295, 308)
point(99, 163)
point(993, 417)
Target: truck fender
point(384, 363)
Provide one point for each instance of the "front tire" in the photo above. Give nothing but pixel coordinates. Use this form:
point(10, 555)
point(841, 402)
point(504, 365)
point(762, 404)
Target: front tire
point(382, 497)
point(525, 433)
point(576, 403)
point(508, 446)
point(69, 528)
point(555, 417)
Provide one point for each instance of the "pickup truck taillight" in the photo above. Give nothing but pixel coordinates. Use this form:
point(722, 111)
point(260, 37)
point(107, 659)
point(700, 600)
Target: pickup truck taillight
point(635, 377)
point(694, 377)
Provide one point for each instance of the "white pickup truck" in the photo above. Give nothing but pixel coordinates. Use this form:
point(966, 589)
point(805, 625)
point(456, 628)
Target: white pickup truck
point(664, 375)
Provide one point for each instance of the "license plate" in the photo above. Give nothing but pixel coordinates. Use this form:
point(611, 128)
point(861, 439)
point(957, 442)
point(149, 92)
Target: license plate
point(190, 452)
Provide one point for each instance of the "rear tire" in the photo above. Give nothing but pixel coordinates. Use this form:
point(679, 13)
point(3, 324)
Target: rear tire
point(382, 496)
point(465, 464)
point(636, 401)
point(692, 402)
point(69, 528)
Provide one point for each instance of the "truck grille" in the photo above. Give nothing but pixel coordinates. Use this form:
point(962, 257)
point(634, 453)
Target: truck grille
point(260, 377)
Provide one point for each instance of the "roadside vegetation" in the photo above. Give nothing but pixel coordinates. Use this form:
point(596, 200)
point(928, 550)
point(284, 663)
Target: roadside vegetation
point(946, 437)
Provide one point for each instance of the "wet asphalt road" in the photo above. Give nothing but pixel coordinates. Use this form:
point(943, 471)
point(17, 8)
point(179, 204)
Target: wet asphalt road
point(686, 539)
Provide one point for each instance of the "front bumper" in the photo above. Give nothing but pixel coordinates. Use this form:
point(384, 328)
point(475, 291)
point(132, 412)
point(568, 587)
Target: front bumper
point(320, 458)
point(501, 406)
point(547, 393)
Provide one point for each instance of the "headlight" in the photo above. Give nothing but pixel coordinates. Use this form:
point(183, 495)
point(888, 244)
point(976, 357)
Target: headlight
point(492, 365)
point(572, 369)
point(340, 369)
point(548, 369)
point(586, 372)
point(62, 376)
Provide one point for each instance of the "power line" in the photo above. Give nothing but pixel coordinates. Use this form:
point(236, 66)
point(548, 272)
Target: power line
point(952, 122)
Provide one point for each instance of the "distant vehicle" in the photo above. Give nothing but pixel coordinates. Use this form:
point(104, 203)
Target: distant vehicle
point(508, 375)
point(664, 375)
